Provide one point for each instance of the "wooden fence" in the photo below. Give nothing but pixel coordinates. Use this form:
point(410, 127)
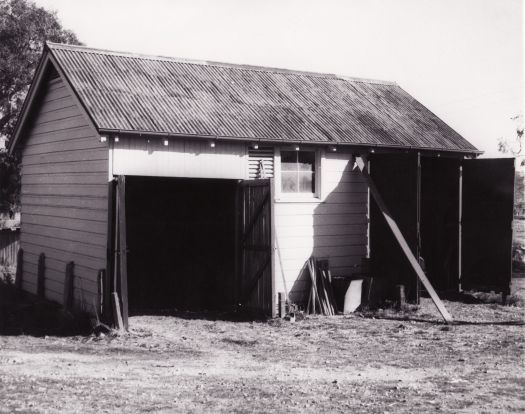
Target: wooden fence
point(9, 245)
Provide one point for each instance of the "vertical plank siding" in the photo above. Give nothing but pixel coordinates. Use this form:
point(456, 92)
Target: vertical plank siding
point(335, 227)
point(9, 245)
point(64, 197)
point(256, 246)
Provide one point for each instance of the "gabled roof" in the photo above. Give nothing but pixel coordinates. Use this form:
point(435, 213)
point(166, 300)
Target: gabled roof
point(124, 92)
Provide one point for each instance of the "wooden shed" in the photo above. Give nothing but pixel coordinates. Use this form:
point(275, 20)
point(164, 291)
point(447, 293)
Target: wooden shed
point(183, 184)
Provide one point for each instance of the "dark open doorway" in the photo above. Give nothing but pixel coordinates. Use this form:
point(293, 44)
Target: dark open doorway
point(396, 178)
point(181, 243)
point(455, 215)
point(440, 209)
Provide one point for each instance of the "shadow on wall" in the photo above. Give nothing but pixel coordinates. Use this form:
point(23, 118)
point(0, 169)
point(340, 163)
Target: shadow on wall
point(338, 225)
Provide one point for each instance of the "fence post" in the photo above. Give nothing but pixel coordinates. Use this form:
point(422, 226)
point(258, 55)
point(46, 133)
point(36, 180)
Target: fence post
point(69, 286)
point(41, 276)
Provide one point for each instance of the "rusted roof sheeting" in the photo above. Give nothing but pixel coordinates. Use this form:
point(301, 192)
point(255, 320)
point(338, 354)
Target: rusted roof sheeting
point(161, 95)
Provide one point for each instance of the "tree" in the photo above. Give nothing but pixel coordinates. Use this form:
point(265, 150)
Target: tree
point(515, 146)
point(24, 27)
point(9, 183)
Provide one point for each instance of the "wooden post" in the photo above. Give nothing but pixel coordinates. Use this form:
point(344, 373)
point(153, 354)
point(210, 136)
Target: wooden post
point(116, 311)
point(123, 248)
point(282, 305)
point(271, 213)
point(460, 227)
point(41, 276)
point(418, 224)
point(361, 163)
point(101, 276)
point(69, 286)
point(401, 298)
point(108, 275)
point(19, 270)
point(237, 246)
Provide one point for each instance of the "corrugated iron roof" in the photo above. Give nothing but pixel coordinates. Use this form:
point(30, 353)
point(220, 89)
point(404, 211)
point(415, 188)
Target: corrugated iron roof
point(135, 93)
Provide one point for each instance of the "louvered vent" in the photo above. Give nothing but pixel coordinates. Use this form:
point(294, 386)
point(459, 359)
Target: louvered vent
point(260, 162)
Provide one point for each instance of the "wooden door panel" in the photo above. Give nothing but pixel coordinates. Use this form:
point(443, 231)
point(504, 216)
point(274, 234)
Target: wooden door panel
point(256, 245)
point(486, 225)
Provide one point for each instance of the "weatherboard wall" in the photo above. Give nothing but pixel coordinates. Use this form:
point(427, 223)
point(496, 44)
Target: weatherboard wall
point(64, 196)
point(332, 227)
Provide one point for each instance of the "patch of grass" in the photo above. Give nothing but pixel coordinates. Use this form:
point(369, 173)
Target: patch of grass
point(389, 309)
point(240, 342)
point(517, 300)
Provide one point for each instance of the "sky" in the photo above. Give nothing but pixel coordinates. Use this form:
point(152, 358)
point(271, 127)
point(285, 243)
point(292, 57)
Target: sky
point(463, 59)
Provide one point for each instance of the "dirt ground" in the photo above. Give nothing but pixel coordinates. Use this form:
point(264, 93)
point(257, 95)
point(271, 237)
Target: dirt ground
point(375, 363)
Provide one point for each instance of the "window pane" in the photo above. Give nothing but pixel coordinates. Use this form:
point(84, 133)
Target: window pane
point(306, 182)
point(289, 182)
point(289, 160)
point(306, 160)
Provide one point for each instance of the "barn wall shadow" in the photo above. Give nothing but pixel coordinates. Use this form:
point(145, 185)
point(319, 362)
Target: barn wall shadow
point(339, 229)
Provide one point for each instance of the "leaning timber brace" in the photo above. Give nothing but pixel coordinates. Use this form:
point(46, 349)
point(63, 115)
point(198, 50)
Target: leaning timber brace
point(362, 165)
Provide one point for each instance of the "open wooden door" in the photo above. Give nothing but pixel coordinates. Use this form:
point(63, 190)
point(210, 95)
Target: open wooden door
point(256, 285)
point(486, 224)
point(116, 283)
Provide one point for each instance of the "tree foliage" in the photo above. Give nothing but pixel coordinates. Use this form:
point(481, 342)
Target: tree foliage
point(514, 146)
point(9, 183)
point(24, 27)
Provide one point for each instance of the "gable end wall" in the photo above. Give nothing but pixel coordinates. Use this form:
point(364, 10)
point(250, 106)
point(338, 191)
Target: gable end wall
point(64, 197)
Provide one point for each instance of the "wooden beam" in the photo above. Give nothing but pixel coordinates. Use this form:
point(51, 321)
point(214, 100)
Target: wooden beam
point(362, 165)
point(107, 311)
point(460, 228)
point(237, 244)
point(272, 246)
point(123, 247)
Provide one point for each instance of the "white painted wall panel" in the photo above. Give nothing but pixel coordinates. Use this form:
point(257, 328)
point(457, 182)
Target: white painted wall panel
point(190, 158)
point(333, 228)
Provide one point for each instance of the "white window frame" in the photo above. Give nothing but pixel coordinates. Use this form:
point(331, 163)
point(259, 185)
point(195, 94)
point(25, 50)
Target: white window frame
point(298, 197)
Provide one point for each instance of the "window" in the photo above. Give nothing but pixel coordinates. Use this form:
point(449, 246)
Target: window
point(298, 172)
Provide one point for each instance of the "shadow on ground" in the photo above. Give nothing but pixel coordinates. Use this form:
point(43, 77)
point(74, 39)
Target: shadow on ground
point(25, 314)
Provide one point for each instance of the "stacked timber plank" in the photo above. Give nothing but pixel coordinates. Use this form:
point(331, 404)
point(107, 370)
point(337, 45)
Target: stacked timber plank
point(321, 299)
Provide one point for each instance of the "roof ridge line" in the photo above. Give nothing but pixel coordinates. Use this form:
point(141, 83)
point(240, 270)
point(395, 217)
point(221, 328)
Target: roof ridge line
point(241, 66)
point(368, 80)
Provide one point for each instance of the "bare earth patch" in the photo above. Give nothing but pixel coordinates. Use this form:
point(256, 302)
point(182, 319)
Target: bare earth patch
point(321, 364)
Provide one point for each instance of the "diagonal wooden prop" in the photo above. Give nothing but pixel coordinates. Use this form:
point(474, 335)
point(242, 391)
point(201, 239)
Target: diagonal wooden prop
point(362, 165)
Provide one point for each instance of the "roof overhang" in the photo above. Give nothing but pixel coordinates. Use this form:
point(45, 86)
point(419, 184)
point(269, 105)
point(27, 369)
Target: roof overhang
point(365, 147)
